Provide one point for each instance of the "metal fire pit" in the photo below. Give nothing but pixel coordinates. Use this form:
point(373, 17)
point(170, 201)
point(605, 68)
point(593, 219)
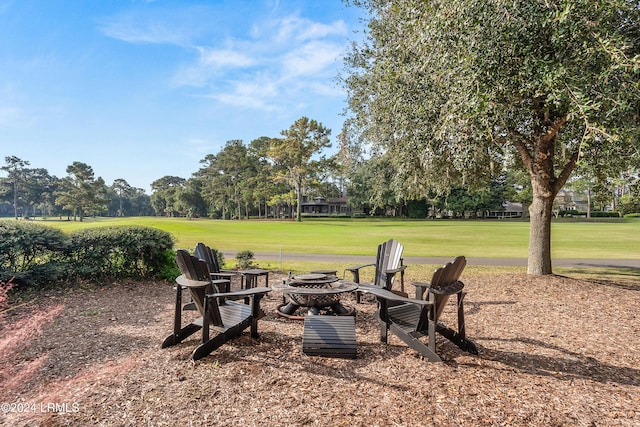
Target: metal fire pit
point(317, 292)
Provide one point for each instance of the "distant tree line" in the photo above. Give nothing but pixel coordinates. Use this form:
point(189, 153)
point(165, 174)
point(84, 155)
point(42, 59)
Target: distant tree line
point(269, 177)
point(29, 192)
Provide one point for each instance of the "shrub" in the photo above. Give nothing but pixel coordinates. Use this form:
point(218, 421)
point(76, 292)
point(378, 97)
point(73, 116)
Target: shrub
point(570, 212)
point(632, 215)
point(31, 252)
point(219, 257)
point(245, 259)
point(121, 252)
point(602, 214)
point(169, 270)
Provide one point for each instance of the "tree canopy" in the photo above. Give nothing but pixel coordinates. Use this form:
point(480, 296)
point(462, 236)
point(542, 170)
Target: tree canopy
point(453, 92)
point(294, 154)
point(80, 192)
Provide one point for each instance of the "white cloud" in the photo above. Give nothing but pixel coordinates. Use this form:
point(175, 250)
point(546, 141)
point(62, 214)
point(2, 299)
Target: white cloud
point(224, 58)
point(273, 67)
point(257, 94)
point(330, 89)
point(295, 29)
point(309, 59)
point(129, 30)
point(152, 23)
point(212, 62)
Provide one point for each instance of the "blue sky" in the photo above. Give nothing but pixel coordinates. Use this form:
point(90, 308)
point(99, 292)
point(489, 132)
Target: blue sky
point(143, 89)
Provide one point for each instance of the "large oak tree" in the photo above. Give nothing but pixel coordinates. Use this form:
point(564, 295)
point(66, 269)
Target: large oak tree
point(453, 90)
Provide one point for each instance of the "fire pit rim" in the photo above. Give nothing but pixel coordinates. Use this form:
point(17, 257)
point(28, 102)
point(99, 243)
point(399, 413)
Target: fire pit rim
point(336, 287)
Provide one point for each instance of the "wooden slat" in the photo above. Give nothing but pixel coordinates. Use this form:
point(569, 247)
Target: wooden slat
point(329, 336)
point(232, 313)
point(405, 316)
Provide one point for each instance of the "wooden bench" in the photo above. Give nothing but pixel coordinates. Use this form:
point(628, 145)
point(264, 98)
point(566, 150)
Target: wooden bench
point(329, 336)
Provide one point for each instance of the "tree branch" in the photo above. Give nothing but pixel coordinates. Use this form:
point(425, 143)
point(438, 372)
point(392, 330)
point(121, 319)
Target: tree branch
point(521, 147)
point(558, 123)
point(568, 168)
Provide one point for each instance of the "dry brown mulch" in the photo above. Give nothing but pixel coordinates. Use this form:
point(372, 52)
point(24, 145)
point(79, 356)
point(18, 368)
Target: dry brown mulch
point(554, 351)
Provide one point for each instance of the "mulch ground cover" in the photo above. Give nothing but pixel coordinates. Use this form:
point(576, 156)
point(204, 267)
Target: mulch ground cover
point(554, 351)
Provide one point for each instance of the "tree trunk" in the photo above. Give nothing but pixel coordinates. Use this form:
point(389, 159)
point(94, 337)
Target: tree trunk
point(540, 212)
point(545, 185)
point(15, 198)
point(299, 203)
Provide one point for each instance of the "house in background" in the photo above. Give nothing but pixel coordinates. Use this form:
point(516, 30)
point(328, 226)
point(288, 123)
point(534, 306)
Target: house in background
point(567, 200)
point(321, 207)
point(509, 210)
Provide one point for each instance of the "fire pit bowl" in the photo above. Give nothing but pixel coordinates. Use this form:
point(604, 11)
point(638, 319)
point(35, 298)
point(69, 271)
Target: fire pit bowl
point(315, 291)
point(311, 290)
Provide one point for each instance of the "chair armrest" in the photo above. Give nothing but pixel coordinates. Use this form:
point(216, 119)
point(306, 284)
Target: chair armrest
point(240, 294)
point(183, 281)
point(355, 271)
point(451, 289)
point(226, 275)
point(421, 288)
point(358, 267)
point(396, 270)
point(391, 274)
point(388, 295)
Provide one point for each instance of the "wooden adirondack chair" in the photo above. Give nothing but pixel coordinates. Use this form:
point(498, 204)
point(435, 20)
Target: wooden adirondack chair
point(225, 318)
point(205, 253)
point(388, 264)
point(410, 319)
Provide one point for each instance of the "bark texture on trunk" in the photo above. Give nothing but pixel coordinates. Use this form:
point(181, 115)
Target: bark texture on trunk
point(540, 212)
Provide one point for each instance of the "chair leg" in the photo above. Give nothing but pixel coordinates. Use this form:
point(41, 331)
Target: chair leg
point(179, 333)
point(177, 318)
point(431, 324)
point(383, 317)
point(461, 327)
point(459, 337)
point(255, 315)
point(205, 322)
point(467, 345)
point(356, 279)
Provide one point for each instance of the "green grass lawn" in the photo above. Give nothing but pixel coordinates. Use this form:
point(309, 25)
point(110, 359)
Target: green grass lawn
point(492, 239)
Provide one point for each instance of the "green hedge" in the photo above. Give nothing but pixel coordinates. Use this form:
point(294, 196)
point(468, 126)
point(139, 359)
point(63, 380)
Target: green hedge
point(37, 255)
point(32, 253)
point(119, 252)
point(594, 214)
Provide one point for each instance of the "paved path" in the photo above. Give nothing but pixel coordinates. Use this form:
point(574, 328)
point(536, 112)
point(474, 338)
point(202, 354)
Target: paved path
point(363, 259)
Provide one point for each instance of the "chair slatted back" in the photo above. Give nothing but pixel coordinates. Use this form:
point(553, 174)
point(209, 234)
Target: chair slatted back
point(195, 269)
point(205, 253)
point(388, 258)
point(444, 277)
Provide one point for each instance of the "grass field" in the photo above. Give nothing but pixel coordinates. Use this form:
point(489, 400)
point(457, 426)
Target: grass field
point(492, 239)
